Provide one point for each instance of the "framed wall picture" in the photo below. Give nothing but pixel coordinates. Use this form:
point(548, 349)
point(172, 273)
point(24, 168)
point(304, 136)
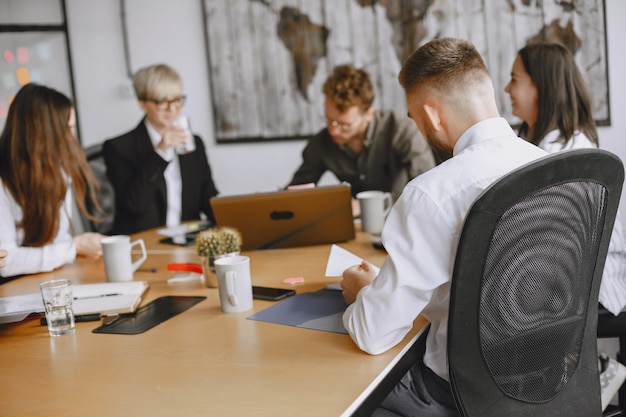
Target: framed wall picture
point(268, 59)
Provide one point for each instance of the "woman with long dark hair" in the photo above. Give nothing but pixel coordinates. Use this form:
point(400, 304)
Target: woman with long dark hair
point(548, 93)
point(42, 170)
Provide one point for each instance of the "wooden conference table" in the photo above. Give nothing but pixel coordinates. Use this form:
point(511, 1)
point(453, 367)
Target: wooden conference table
point(202, 362)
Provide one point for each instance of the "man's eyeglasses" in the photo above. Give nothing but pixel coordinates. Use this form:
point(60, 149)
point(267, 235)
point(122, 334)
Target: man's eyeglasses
point(165, 104)
point(343, 126)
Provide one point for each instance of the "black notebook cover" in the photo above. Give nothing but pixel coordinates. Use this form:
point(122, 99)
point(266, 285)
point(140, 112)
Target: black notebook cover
point(148, 316)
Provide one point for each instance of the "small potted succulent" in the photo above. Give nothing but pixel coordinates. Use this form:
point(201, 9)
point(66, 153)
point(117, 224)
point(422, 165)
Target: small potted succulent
point(215, 243)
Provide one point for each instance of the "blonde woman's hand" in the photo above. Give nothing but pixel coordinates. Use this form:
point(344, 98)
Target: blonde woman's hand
point(3, 255)
point(88, 244)
point(175, 136)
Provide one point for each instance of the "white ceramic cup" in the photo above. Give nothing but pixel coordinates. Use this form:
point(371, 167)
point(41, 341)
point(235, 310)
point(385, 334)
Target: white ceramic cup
point(118, 261)
point(190, 143)
point(234, 284)
point(375, 206)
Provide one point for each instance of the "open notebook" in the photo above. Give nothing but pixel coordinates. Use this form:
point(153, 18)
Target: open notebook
point(106, 298)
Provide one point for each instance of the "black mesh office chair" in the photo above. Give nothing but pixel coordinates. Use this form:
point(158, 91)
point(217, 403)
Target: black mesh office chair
point(524, 295)
point(106, 194)
point(610, 326)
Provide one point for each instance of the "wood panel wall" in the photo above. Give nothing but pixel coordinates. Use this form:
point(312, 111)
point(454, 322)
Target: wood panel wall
point(268, 59)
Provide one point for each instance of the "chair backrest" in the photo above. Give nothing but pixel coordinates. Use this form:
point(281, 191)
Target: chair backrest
point(524, 294)
point(106, 194)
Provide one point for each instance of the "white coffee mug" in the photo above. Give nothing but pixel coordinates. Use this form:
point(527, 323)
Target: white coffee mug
point(118, 261)
point(375, 206)
point(234, 284)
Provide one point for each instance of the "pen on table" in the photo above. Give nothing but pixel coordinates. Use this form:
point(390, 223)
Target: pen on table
point(77, 319)
point(98, 296)
point(147, 270)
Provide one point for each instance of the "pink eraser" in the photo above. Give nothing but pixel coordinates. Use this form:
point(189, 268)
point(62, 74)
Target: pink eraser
point(293, 280)
point(301, 186)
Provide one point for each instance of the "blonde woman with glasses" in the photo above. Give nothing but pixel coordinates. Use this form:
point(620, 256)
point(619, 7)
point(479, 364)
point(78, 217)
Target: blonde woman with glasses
point(159, 170)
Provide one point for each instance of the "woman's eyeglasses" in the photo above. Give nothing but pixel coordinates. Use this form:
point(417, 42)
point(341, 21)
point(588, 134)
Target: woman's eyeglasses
point(165, 104)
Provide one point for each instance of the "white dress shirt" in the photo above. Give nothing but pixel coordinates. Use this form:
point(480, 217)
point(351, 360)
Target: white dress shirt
point(173, 179)
point(421, 236)
point(31, 260)
point(613, 286)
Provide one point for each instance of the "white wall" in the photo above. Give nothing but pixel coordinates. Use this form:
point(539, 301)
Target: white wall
point(173, 32)
point(170, 32)
point(613, 138)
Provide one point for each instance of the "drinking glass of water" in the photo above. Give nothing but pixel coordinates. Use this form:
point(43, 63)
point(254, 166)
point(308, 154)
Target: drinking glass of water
point(57, 299)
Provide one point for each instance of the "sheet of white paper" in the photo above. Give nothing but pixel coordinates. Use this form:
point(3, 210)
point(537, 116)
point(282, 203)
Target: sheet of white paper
point(13, 318)
point(341, 259)
point(173, 231)
point(27, 303)
point(182, 229)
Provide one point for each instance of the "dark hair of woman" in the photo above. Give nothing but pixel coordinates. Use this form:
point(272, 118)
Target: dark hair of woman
point(564, 102)
point(39, 158)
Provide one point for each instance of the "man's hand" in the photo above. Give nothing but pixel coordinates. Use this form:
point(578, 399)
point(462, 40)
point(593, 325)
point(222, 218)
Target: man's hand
point(3, 255)
point(88, 244)
point(355, 278)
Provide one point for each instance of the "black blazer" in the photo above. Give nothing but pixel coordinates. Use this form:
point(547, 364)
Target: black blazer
point(135, 170)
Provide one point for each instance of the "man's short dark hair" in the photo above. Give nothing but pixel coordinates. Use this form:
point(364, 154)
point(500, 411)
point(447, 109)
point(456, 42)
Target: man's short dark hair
point(444, 64)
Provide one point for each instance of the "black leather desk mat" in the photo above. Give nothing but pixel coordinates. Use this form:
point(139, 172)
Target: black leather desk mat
point(148, 316)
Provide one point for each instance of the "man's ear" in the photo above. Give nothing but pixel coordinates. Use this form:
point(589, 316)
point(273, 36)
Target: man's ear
point(432, 114)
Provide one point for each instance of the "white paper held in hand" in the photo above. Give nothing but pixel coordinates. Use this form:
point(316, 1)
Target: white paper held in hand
point(339, 260)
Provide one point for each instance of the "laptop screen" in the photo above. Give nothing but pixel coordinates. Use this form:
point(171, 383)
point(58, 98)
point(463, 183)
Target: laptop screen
point(288, 218)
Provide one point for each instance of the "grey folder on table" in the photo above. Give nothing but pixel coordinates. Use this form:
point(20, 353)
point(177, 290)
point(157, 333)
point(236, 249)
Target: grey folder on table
point(321, 310)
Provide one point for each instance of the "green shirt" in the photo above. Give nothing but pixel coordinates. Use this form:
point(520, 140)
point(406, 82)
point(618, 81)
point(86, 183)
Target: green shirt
point(395, 152)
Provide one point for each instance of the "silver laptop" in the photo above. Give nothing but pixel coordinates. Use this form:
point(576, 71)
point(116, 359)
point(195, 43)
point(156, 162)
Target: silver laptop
point(288, 218)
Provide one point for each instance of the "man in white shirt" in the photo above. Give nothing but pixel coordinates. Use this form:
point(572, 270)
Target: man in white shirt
point(450, 97)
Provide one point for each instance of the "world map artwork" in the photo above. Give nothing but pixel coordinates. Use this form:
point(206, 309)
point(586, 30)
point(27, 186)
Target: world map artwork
point(269, 58)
